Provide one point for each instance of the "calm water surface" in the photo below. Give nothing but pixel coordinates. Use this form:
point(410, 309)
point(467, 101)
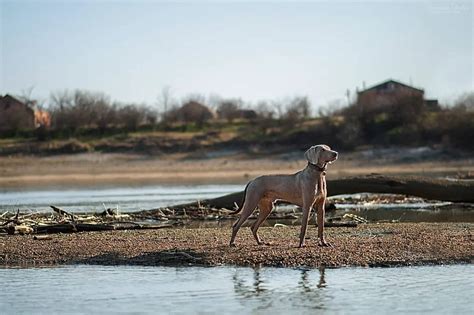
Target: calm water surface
point(126, 198)
point(81, 289)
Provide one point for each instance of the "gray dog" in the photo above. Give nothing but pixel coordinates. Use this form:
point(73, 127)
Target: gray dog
point(307, 188)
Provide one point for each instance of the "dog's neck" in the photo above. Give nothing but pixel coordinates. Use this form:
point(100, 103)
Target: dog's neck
point(318, 168)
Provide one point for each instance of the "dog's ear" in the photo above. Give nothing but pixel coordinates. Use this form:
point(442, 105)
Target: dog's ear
point(312, 154)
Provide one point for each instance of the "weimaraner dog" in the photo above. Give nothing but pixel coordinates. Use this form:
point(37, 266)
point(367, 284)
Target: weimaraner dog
point(306, 188)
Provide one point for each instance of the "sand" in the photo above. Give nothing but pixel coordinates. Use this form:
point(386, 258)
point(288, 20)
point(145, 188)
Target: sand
point(128, 169)
point(395, 244)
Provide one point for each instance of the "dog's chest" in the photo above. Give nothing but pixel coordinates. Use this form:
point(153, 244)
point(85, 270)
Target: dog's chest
point(320, 189)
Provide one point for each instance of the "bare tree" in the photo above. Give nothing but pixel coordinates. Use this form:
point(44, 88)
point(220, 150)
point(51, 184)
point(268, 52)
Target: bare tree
point(229, 109)
point(81, 109)
point(279, 108)
point(265, 110)
point(194, 97)
point(105, 115)
point(62, 104)
point(465, 102)
point(132, 116)
point(265, 117)
point(332, 108)
point(26, 96)
point(298, 109)
point(164, 99)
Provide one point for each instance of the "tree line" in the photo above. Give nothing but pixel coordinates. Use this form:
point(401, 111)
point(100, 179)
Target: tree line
point(406, 121)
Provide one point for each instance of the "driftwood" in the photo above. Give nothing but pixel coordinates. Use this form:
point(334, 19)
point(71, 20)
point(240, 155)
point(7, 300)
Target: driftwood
point(14, 220)
point(62, 212)
point(84, 227)
point(424, 187)
point(19, 229)
point(65, 222)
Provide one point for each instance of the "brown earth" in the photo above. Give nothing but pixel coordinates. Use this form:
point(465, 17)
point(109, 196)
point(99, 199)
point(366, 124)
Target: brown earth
point(366, 245)
point(119, 169)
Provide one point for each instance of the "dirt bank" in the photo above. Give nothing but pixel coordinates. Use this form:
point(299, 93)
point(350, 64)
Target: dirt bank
point(121, 169)
point(366, 245)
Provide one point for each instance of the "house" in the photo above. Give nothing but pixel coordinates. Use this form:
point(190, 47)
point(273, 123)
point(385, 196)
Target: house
point(16, 115)
point(392, 92)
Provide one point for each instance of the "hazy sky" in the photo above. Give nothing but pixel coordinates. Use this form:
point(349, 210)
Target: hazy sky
point(254, 50)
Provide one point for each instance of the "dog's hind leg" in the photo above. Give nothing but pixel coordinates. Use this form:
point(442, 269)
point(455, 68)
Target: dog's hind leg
point(266, 207)
point(304, 225)
point(247, 209)
point(308, 200)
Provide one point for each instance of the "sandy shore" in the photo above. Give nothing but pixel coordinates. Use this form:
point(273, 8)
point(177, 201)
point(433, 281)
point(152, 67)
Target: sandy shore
point(128, 169)
point(366, 245)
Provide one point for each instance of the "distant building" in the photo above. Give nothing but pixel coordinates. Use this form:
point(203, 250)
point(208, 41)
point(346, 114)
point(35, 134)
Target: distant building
point(16, 115)
point(391, 92)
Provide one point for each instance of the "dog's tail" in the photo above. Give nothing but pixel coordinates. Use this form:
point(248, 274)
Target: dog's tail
point(243, 201)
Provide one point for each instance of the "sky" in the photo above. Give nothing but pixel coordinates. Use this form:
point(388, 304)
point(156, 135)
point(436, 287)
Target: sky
point(251, 50)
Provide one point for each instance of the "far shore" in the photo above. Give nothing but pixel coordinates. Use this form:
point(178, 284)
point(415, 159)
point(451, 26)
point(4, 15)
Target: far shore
point(96, 169)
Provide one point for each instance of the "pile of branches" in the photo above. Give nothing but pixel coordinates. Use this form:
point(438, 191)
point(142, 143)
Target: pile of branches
point(204, 212)
point(200, 211)
point(62, 221)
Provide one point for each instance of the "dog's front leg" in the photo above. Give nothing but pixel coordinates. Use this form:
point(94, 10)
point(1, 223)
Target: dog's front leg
point(320, 214)
point(307, 205)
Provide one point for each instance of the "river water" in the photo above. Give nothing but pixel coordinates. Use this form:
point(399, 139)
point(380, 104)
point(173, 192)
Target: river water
point(125, 198)
point(130, 199)
point(82, 289)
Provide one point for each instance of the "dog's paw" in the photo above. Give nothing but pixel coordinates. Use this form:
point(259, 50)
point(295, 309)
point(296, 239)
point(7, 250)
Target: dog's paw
point(324, 244)
point(232, 245)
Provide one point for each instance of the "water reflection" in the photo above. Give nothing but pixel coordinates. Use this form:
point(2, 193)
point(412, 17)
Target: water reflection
point(236, 290)
point(309, 291)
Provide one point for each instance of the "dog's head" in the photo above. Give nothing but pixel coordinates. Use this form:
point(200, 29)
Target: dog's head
point(320, 154)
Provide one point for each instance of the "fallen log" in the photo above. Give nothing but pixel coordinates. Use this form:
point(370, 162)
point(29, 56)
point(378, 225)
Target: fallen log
point(86, 227)
point(56, 228)
point(424, 187)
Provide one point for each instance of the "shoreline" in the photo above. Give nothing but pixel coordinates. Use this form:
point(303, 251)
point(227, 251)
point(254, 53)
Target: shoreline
point(368, 245)
point(95, 169)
